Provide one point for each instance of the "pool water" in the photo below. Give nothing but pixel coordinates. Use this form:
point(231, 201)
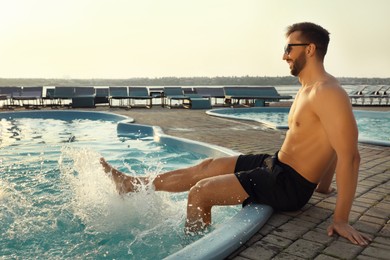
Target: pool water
point(374, 126)
point(56, 202)
point(272, 119)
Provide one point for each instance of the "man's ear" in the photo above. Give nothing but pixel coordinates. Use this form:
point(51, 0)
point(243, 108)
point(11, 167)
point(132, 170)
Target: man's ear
point(311, 49)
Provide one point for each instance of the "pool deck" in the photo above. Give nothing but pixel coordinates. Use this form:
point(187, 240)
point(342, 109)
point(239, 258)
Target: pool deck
point(301, 234)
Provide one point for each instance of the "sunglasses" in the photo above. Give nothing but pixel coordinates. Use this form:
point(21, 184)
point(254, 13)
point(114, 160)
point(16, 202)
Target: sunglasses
point(288, 47)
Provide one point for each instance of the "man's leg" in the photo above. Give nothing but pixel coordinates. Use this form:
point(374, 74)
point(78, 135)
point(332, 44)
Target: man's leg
point(209, 192)
point(177, 180)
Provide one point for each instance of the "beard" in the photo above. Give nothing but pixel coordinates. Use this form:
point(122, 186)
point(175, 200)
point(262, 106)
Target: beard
point(298, 64)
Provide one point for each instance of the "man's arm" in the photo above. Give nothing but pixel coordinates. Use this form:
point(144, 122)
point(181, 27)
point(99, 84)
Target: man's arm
point(332, 106)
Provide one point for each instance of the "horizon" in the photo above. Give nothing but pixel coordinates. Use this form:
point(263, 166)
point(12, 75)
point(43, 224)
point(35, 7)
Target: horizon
point(98, 39)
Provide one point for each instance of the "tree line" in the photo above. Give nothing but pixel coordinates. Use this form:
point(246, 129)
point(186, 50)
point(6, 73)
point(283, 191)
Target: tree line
point(180, 81)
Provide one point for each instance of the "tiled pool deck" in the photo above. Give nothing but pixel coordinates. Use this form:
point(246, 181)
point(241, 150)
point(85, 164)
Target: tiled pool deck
point(301, 234)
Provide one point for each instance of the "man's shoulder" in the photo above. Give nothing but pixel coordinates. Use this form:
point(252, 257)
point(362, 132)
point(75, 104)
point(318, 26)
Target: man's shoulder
point(328, 83)
point(328, 86)
point(329, 93)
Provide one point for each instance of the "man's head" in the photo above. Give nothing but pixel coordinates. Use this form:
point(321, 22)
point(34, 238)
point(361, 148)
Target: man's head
point(310, 33)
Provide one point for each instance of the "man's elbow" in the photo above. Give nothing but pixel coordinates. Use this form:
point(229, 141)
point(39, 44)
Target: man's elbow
point(356, 159)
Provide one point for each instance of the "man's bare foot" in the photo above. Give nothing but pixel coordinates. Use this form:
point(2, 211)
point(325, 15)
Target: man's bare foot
point(325, 191)
point(107, 168)
point(195, 228)
point(124, 183)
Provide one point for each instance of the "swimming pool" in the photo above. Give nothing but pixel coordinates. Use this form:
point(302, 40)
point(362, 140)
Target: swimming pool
point(57, 203)
point(374, 126)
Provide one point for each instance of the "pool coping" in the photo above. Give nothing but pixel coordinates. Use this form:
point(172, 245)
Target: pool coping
point(217, 244)
point(65, 114)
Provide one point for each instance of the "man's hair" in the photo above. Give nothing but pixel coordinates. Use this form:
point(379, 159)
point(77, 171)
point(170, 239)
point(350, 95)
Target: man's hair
point(312, 33)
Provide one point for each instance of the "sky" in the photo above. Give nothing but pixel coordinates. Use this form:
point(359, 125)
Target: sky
point(118, 39)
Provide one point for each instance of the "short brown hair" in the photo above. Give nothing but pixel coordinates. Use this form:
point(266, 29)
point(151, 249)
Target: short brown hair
point(312, 33)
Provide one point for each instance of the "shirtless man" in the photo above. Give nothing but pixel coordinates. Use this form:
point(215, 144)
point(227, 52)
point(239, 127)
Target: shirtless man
point(321, 140)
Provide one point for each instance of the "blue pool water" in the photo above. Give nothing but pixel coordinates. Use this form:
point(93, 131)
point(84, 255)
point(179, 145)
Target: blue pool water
point(374, 126)
point(56, 202)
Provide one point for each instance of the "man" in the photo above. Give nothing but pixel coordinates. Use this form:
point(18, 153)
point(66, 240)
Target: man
point(321, 140)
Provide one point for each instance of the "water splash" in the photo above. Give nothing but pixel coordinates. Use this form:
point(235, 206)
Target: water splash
point(143, 215)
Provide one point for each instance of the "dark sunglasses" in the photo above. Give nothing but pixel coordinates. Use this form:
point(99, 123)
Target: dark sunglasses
point(287, 48)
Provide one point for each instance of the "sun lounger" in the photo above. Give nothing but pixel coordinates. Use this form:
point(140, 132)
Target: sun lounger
point(252, 95)
point(7, 93)
point(369, 95)
point(386, 94)
point(212, 93)
point(376, 94)
point(83, 97)
point(62, 94)
point(139, 93)
point(195, 101)
point(157, 92)
point(174, 93)
point(3, 98)
point(118, 93)
point(357, 94)
point(101, 95)
point(27, 94)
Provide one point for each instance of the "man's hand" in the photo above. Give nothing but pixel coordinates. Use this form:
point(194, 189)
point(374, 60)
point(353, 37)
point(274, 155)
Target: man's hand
point(345, 230)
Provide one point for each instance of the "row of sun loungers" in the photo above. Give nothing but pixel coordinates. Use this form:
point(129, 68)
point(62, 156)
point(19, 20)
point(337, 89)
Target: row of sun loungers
point(123, 96)
point(364, 95)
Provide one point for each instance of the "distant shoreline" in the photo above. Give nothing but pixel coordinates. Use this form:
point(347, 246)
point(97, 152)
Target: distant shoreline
point(180, 81)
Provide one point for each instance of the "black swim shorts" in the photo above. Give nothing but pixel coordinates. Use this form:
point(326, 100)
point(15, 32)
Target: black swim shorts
point(271, 182)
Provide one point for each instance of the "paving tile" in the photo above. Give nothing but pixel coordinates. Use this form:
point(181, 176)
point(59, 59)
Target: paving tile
point(385, 231)
point(304, 248)
point(364, 257)
point(376, 252)
point(290, 231)
point(286, 256)
point(367, 227)
point(382, 240)
point(378, 213)
point(277, 220)
point(266, 229)
point(318, 235)
point(277, 240)
point(374, 220)
point(303, 223)
point(260, 251)
point(343, 250)
point(326, 205)
point(325, 257)
point(317, 213)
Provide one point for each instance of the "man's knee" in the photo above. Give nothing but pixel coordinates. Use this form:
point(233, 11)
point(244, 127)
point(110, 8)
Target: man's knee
point(199, 193)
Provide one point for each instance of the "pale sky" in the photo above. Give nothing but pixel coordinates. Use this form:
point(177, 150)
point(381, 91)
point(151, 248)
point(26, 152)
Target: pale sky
point(184, 38)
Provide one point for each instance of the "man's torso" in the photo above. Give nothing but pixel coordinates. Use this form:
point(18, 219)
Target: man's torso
point(306, 147)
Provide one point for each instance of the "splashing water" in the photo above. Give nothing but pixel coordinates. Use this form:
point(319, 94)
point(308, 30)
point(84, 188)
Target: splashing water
point(142, 215)
point(97, 202)
point(57, 202)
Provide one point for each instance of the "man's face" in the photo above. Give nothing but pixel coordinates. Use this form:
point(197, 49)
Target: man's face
point(297, 65)
point(294, 53)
